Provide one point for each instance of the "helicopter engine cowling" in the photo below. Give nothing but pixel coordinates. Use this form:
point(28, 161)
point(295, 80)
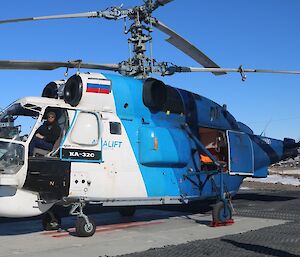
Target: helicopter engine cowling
point(73, 90)
point(54, 89)
point(89, 91)
point(154, 93)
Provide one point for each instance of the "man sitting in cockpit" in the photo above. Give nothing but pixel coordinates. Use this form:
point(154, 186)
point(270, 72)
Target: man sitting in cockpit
point(46, 134)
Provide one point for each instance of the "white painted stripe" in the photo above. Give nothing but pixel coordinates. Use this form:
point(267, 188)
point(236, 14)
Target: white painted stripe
point(105, 82)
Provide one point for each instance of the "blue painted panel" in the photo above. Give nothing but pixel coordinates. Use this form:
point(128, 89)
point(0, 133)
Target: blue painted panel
point(128, 94)
point(261, 173)
point(212, 115)
point(173, 147)
point(266, 152)
point(240, 153)
point(158, 181)
point(163, 181)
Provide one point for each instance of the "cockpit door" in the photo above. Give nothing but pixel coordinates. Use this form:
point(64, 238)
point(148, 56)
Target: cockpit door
point(240, 150)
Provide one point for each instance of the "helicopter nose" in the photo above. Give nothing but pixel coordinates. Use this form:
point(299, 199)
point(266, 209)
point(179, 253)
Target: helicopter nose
point(18, 203)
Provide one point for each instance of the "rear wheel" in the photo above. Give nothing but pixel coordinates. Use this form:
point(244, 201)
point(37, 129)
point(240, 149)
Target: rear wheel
point(127, 211)
point(221, 213)
point(84, 228)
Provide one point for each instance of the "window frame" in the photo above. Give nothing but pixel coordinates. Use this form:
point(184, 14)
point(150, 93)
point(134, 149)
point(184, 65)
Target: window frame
point(75, 122)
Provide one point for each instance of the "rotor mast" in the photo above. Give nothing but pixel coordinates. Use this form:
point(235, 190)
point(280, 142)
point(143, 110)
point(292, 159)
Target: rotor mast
point(140, 65)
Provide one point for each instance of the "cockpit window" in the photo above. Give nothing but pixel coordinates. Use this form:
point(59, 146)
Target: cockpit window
point(33, 107)
point(17, 121)
point(11, 157)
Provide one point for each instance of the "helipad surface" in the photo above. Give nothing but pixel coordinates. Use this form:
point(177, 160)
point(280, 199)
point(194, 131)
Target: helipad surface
point(116, 235)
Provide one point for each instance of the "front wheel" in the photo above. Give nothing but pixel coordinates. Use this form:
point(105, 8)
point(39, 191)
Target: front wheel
point(84, 229)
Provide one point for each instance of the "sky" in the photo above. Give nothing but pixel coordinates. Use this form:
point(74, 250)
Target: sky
point(257, 34)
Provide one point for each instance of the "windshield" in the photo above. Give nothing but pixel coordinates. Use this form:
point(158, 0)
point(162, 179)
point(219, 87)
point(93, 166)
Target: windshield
point(17, 121)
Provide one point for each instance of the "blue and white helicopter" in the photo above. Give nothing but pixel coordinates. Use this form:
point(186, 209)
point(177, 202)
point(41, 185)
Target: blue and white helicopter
point(127, 140)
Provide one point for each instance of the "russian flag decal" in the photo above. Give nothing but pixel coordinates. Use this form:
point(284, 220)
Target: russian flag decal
point(104, 87)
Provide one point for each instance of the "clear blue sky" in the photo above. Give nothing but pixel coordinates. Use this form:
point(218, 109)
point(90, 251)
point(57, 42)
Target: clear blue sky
point(257, 34)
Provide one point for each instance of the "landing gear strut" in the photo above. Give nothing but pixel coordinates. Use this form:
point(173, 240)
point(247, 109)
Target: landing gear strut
point(51, 221)
point(222, 213)
point(85, 226)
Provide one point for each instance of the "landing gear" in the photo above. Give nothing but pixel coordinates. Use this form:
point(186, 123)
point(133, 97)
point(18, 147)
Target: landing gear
point(85, 227)
point(222, 213)
point(51, 221)
point(127, 211)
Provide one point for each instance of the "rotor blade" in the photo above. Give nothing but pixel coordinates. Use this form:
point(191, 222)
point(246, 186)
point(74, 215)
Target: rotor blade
point(40, 65)
point(63, 16)
point(163, 2)
point(244, 70)
point(113, 13)
point(159, 3)
point(187, 47)
point(241, 70)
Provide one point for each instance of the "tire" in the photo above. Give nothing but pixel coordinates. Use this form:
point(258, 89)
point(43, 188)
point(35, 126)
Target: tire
point(220, 214)
point(127, 211)
point(83, 229)
point(51, 221)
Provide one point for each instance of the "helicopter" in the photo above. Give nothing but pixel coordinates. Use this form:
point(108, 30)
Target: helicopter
point(128, 140)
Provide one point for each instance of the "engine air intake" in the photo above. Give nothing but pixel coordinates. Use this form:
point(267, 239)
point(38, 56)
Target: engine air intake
point(73, 90)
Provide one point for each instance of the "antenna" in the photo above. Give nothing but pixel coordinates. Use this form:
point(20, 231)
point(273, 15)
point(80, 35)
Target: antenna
point(263, 133)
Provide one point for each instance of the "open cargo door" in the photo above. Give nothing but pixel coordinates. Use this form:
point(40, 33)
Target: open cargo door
point(240, 151)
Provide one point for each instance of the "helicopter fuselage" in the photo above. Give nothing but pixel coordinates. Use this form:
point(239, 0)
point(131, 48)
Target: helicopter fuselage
point(128, 142)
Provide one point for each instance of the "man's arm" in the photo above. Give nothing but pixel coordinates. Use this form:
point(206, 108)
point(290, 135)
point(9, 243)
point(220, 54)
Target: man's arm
point(38, 135)
point(39, 132)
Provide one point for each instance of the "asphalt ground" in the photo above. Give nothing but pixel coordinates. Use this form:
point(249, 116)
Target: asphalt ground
point(267, 224)
point(280, 240)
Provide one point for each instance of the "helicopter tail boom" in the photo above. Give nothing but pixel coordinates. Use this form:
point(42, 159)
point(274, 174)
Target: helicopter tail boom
point(291, 149)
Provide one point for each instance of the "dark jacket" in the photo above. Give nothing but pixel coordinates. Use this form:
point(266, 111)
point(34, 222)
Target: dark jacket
point(51, 132)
